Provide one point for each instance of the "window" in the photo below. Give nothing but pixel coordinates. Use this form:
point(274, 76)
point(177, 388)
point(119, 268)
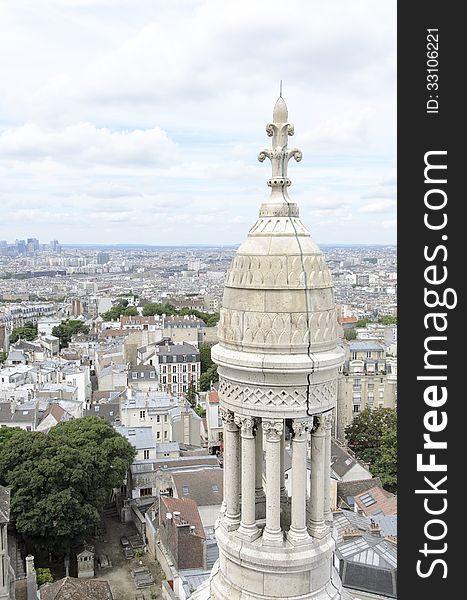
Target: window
point(164, 379)
point(356, 408)
point(158, 435)
point(215, 488)
point(158, 419)
point(368, 354)
point(193, 367)
point(185, 490)
point(184, 368)
point(184, 358)
point(145, 492)
point(142, 414)
point(134, 375)
point(174, 379)
point(146, 454)
point(164, 369)
point(184, 388)
point(141, 374)
point(164, 359)
point(165, 418)
point(152, 375)
point(357, 383)
point(353, 355)
point(166, 435)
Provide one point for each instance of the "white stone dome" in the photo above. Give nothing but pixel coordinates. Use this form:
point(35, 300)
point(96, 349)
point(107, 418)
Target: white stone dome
point(278, 329)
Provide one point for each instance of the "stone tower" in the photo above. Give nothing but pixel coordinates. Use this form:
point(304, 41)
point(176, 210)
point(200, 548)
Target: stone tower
point(277, 360)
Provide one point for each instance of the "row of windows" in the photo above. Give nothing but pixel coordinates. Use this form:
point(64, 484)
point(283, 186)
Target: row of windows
point(142, 415)
point(175, 358)
point(174, 368)
point(174, 379)
point(134, 375)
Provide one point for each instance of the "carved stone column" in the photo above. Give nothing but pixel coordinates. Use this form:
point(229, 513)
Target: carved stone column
point(260, 496)
point(298, 533)
point(327, 467)
point(316, 525)
point(284, 494)
point(248, 528)
point(231, 518)
point(272, 534)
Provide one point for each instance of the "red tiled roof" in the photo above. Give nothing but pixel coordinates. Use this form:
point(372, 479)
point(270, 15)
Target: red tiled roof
point(213, 397)
point(114, 332)
point(347, 319)
point(188, 512)
point(385, 502)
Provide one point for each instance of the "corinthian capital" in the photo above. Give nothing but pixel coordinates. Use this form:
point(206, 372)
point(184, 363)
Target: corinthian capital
point(246, 424)
point(227, 416)
point(273, 429)
point(327, 417)
point(300, 428)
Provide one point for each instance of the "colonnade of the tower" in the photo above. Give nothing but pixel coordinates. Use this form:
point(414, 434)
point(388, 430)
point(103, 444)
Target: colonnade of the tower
point(253, 509)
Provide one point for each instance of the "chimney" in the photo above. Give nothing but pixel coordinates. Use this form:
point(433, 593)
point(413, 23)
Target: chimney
point(374, 528)
point(31, 578)
point(350, 533)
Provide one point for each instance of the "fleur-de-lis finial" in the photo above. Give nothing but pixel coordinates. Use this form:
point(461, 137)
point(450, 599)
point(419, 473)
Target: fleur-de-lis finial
point(279, 154)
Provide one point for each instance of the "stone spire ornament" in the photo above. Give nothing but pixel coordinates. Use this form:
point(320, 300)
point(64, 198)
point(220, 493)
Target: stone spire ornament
point(278, 361)
point(279, 154)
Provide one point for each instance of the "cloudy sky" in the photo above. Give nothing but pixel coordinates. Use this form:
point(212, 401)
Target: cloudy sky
point(139, 121)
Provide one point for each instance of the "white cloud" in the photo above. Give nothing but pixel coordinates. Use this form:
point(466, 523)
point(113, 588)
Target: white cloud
point(119, 112)
point(380, 206)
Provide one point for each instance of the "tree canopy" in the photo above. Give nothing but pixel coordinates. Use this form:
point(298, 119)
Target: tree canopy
point(208, 369)
point(155, 308)
point(372, 436)
point(60, 481)
point(350, 334)
point(118, 309)
point(66, 330)
point(388, 320)
point(27, 332)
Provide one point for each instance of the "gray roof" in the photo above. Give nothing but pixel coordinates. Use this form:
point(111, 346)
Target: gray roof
point(368, 562)
point(365, 345)
point(23, 413)
point(177, 350)
point(205, 487)
point(139, 437)
point(341, 461)
point(180, 463)
point(108, 411)
point(168, 447)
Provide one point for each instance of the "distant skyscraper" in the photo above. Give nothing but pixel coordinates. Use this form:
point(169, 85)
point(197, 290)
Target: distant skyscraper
point(278, 363)
point(103, 258)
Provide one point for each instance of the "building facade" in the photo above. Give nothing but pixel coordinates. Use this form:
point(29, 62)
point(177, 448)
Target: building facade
point(368, 380)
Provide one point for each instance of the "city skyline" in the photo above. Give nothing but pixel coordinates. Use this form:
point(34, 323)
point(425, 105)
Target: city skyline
point(97, 147)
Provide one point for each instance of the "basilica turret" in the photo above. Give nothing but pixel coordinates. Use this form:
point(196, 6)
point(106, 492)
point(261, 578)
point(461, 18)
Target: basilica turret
point(278, 360)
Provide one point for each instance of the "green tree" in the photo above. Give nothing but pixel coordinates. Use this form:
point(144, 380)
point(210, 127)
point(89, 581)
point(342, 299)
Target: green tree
point(61, 480)
point(43, 576)
point(205, 358)
point(372, 437)
point(210, 376)
point(387, 320)
point(155, 308)
point(350, 334)
point(362, 322)
point(66, 330)
point(27, 332)
point(119, 309)
point(191, 394)
point(385, 466)
point(3, 356)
